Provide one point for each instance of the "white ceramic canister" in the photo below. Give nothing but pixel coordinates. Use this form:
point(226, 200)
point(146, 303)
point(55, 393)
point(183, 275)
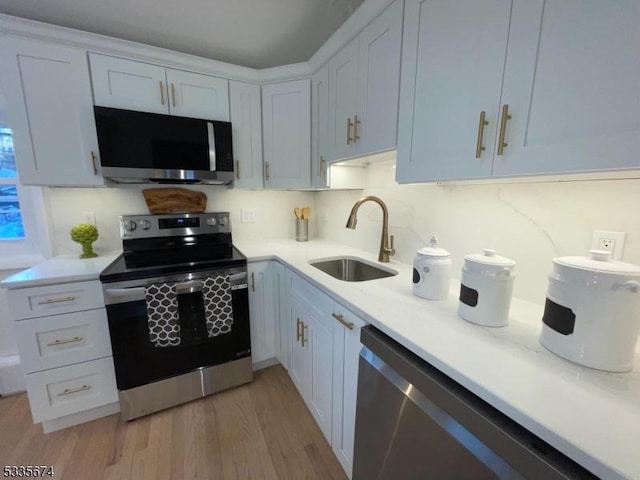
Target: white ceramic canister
point(432, 272)
point(486, 288)
point(592, 311)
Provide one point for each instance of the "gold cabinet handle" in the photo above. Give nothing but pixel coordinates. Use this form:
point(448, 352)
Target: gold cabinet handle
point(356, 122)
point(49, 301)
point(349, 125)
point(67, 391)
point(302, 339)
point(298, 329)
point(503, 129)
point(65, 341)
point(483, 123)
point(266, 170)
point(94, 162)
point(323, 168)
point(173, 94)
point(341, 319)
point(253, 282)
point(238, 169)
point(161, 92)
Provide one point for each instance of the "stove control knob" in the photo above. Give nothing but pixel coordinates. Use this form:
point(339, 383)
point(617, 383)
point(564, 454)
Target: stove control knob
point(130, 225)
point(145, 224)
point(211, 221)
point(224, 221)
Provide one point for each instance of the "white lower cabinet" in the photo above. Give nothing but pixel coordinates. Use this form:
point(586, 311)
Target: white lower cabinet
point(263, 313)
point(323, 362)
point(65, 350)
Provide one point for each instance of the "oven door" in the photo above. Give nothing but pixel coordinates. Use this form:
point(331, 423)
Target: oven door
point(138, 362)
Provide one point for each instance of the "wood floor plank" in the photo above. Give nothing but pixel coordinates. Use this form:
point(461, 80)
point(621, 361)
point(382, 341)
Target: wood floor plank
point(262, 430)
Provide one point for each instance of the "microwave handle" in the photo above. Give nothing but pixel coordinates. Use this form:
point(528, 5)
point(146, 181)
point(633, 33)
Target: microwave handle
point(212, 146)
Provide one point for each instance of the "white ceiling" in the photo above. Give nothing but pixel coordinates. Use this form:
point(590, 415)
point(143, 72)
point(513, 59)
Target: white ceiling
point(252, 33)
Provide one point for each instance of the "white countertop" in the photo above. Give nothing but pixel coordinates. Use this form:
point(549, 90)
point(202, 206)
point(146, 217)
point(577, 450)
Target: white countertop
point(591, 416)
point(62, 269)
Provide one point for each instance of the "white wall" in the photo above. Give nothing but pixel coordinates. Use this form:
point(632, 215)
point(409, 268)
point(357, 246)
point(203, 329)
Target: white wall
point(274, 212)
point(530, 223)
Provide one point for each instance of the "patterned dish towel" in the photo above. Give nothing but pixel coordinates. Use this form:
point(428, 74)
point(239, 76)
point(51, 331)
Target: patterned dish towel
point(162, 314)
point(218, 310)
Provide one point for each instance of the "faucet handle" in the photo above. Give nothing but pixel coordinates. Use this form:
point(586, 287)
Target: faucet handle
point(391, 250)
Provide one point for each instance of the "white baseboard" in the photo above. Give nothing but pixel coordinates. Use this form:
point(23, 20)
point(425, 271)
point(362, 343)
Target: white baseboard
point(269, 362)
point(11, 376)
point(49, 426)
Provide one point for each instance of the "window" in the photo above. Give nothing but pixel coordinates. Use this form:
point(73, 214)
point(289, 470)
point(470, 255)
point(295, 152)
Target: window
point(24, 239)
point(11, 226)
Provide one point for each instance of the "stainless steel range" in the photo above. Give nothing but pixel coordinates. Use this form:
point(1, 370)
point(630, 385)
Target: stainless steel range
point(178, 309)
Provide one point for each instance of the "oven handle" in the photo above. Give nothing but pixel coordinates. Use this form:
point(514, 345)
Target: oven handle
point(138, 293)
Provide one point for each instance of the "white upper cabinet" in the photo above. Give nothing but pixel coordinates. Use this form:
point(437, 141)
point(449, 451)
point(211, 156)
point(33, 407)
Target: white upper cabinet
point(364, 81)
point(246, 122)
point(286, 128)
point(556, 80)
point(452, 61)
point(319, 127)
point(133, 85)
point(197, 96)
point(572, 84)
point(48, 94)
point(343, 104)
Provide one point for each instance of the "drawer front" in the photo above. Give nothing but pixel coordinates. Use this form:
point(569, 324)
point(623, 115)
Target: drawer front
point(60, 340)
point(67, 390)
point(54, 299)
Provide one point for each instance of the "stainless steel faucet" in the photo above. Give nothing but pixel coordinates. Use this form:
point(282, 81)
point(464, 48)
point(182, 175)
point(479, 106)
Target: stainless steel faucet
point(386, 242)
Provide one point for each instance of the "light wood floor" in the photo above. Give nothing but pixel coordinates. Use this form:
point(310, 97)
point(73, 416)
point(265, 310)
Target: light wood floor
point(260, 430)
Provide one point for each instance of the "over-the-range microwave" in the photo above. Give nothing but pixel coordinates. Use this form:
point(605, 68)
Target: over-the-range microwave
point(140, 147)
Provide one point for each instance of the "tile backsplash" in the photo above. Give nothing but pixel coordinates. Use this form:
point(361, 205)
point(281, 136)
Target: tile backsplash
point(532, 223)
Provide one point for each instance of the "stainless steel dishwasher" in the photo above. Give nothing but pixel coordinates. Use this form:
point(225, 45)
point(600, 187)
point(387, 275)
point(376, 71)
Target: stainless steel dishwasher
point(414, 422)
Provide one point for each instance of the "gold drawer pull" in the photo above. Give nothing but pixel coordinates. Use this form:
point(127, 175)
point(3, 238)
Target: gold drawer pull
point(323, 168)
point(341, 319)
point(74, 390)
point(161, 92)
point(49, 301)
point(503, 129)
point(266, 170)
point(298, 323)
point(356, 122)
point(349, 125)
point(173, 93)
point(65, 341)
point(94, 162)
point(483, 123)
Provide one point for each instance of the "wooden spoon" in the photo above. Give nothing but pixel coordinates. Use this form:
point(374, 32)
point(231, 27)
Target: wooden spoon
point(306, 212)
point(298, 212)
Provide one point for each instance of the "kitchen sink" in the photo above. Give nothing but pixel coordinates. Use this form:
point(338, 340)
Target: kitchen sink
point(351, 269)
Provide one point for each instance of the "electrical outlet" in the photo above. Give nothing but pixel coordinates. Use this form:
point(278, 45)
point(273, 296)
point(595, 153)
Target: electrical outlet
point(610, 241)
point(89, 217)
point(248, 215)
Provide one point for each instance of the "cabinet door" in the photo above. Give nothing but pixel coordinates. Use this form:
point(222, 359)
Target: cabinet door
point(379, 81)
point(346, 354)
point(246, 122)
point(571, 83)
point(299, 360)
point(319, 127)
point(343, 101)
point(262, 311)
point(318, 341)
point(452, 64)
point(283, 277)
point(48, 96)
point(286, 126)
point(197, 96)
point(127, 84)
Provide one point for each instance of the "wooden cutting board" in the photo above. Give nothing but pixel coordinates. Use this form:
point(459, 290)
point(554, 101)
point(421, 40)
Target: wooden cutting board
point(174, 200)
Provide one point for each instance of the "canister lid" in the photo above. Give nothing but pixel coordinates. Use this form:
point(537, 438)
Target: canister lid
point(599, 261)
point(489, 257)
point(433, 250)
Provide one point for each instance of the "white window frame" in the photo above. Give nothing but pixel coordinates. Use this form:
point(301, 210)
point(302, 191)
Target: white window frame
point(35, 247)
